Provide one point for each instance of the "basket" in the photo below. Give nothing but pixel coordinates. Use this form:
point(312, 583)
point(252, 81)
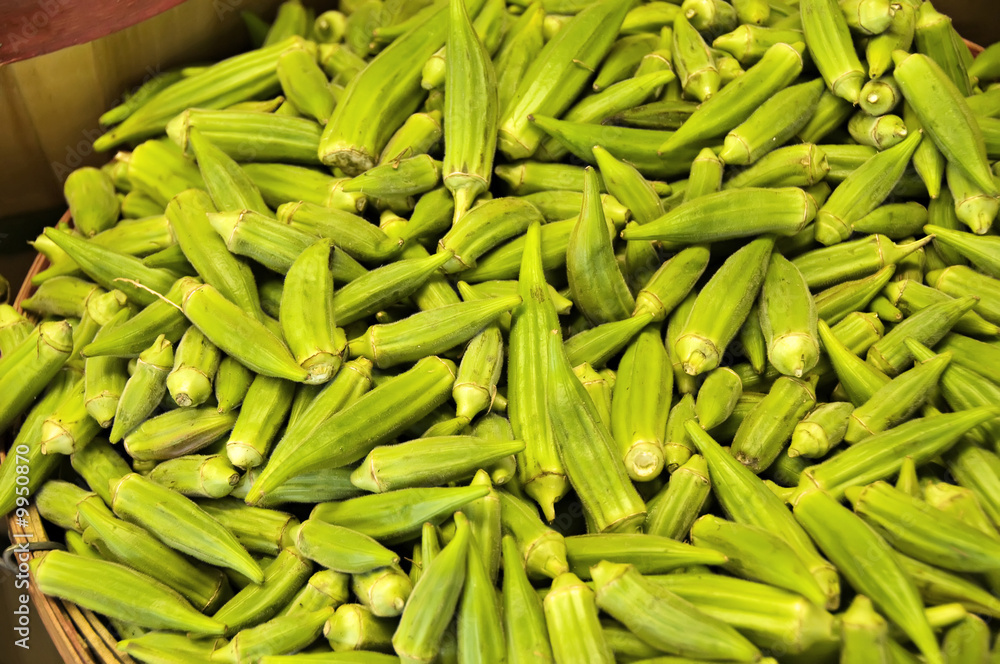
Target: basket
point(78, 634)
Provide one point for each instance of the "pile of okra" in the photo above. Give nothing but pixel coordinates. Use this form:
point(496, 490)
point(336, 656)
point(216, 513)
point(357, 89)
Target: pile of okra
point(574, 331)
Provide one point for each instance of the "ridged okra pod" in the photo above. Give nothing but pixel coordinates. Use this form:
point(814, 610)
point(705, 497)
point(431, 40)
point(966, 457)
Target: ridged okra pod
point(238, 334)
point(881, 455)
point(307, 317)
point(177, 432)
point(649, 554)
point(249, 135)
point(525, 632)
point(737, 101)
point(897, 400)
point(131, 545)
point(227, 184)
point(196, 361)
point(836, 302)
point(232, 381)
point(281, 635)
point(891, 354)
point(448, 458)
point(428, 332)
point(249, 75)
point(257, 602)
point(672, 511)
point(641, 403)
point(160, 509)
point(863, 191)
point(574, 627)
point(355, 628)
point(788, 319)
point(585, 445)
point(746, 499)
point(710, 218)
point(197, 475)
point(354, 431)
point(945, 116)
point(485, 227)
point(29, 368)
point(923, 532)
point(598, 287)
point(869, 565)
point(207, 251)
point(722, 306)
point(821, 430)
point(757, 554)
point(557, 75)
point(434, 600)
point(665, 620)
point(118, 592)
point(764, 432)
point(470, 132)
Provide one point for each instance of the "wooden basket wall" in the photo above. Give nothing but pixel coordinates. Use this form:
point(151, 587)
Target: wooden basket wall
point(78, 634)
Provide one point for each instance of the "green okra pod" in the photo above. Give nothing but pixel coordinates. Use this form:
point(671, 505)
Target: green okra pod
point(867, 562)
point(232, 381)
point(598, 287)
point(485, 227)
point(28, 368)
point(448, 458)
point(764, 432)
point(756, 554)
point(207, 251)
point(308, 318)
point(397, 515)
point(881, 455)
point(249, 135)
point(746, 499)
point(649, 554)
point(821, 430)
point(525, 632)
point(657, 615)
point(434, 599)
point(897, 400)
point(428, 332)
point(863, 191)
point(258, 602)
point(672, 511)
point(470, 131)
point(865, 633)
point(945, 116)
point(99, 464)
point(574, 627)
point(119, 592)
point(131, 545)
point(196, 362)
point(341, 549)
point(355, 628)
point(159, 509)
point(196, 475)
point(737, 101)
point(924, 532)
point(554, 79)
point(640, 404)
point(585, 445)
point(891, 354)
point(352, 432)
point(177, 432)
point(722, 306)
point(227, 184)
